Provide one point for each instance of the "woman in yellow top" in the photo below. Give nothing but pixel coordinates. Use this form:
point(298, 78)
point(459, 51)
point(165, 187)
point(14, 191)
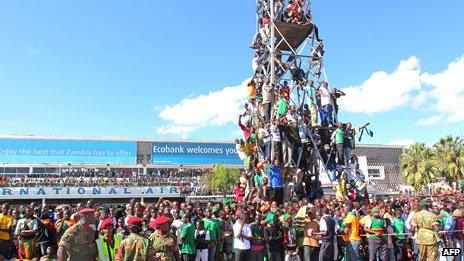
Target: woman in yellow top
point(341, 188)
point(6, 226)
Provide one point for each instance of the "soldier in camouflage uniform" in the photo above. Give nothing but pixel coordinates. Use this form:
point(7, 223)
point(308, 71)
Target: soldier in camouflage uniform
point(135, 247)
point(78, 242)
point(426, 224)
point(164, 243)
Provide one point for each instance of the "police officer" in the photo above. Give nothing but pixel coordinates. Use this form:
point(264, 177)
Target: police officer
point(164, 243)
point(107, 242)
point(78, 242)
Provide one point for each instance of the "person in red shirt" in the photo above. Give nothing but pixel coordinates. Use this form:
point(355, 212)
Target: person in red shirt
point(239, 192)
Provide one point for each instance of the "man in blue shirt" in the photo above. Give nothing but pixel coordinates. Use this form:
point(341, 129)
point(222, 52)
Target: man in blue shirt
point(453, 222)
point(275, 178)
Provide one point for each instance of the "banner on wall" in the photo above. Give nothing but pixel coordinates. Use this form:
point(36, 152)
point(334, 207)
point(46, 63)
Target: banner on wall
point(192, 153)
point(67, 151)
point(87, 192)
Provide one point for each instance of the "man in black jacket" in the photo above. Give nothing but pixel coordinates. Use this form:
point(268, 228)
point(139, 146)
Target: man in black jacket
point(327, 234)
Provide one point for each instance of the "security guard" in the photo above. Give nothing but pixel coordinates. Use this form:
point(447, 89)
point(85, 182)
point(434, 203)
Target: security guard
point(164, 243)
point(426, 223)
point(107, 242)
point(78, 242)
point(135, 247)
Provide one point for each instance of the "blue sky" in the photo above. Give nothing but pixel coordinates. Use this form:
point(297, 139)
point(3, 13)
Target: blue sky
point(159, 69)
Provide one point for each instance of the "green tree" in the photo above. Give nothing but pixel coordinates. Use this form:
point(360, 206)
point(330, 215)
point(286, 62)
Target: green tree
point(418, 165)
point(450, 155)
point(221, 178)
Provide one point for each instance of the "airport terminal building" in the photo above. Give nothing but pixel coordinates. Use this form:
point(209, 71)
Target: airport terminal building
point(39, 155)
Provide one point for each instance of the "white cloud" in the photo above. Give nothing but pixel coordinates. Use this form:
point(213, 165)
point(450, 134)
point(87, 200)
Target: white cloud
point(383, 91)
point(216, 108)
point(447, 90)
point(441, 93)
point(419, 99)
point(175, 129)
point(429, 121)
point(402, 142)
point(237, 133)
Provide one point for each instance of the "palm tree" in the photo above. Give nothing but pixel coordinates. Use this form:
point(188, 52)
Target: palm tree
point(221, 179)
point(450, 155)
point(418, 166)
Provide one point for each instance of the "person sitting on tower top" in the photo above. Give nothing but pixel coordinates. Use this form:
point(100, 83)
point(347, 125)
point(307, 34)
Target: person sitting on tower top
point(293, 9)
point(297, 18)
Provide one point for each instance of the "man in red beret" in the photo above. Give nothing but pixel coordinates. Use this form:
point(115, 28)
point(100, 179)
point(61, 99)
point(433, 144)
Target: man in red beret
point(108, 242)
point(164, 243)
point(135, 247)
point(78, 242)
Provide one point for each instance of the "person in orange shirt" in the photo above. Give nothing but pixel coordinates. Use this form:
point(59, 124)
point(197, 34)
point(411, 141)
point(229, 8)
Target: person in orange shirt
point(7, 249)
point(351, 234)
point(310, 240)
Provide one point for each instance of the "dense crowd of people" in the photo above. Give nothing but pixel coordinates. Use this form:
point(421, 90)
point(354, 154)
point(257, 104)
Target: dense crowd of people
point(187, 180)
point(291, 136)
point(388, 228)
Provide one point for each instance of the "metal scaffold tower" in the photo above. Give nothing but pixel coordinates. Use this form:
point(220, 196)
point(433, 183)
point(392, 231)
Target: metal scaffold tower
point(291, 115)
point(289, 58)
point(285, 48)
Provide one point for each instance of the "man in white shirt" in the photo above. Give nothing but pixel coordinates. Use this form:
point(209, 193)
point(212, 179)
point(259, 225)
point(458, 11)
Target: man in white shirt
point(414, 209)
point(242, 237)
point(268, 98)
point(326, 105)
point(265, 137)
point(247, 113)
point(177, 224)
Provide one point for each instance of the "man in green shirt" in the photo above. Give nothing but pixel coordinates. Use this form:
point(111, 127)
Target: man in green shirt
point(313, 103)
point(442, 216)
point(282, 107)
point(399, 228)
point(187, 235)
point(375, 226)
point(214, 233)
point(338, 137)
point(258, 178)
